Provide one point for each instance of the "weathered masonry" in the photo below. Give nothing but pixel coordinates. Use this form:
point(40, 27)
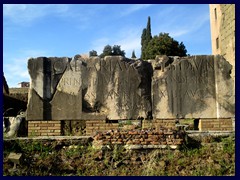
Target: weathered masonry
point(222, 21)
point(100, 93)
point(75, 89)
point(193, 87)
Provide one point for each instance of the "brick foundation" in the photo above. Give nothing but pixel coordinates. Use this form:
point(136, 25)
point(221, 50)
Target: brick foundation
point(44, 128)
point(93, 126)
point(216, 125)
point(157, 123)
point(53, 128)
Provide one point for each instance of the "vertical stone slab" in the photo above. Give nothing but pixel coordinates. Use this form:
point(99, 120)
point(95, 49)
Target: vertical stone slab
point(188, 88)
point(90, 79)
point(56, 89)
point(225, 88)
point(45, 74)
point(67, 101)
point(117, 87)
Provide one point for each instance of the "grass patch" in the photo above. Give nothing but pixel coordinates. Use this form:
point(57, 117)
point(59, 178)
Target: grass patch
point(43, 158)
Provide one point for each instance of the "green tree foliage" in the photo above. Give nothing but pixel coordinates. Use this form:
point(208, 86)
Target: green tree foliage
point(164, 45)
point(117, 51)
point(143, 43)
point(93, 53)
point(146, 38)
point(112, 51)
point(133, 54)
point(148, 31)
point(107, 51)
point(182, 50)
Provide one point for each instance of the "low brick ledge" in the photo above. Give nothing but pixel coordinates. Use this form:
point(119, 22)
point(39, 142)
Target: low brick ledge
point(211, 133)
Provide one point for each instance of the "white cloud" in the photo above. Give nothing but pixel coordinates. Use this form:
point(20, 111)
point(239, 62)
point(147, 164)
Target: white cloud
point(130, 44)
point(178, 32)
point(16, 72)
point(27, 13)
point(181, 25)
point(191, 27)
point(15, 68)
point(200, 21)
point(133, 8)
point(130, 40)
point(99, 44)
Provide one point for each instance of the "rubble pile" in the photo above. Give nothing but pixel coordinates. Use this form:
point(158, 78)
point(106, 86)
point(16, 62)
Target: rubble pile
point(138, 139)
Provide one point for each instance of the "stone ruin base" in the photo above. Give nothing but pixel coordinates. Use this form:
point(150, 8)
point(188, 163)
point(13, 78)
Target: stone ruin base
point(167, 123)
point(224, 124)
point(91, 127)
point(100, 126)
point(140, 139)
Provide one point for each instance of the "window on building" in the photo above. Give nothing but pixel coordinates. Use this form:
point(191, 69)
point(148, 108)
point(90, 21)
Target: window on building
point(217, 43)
point(215, 12)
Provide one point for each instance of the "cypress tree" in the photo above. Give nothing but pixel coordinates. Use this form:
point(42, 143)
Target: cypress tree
point(146, 38)
point(148, 31)
point(133, 55)
point(143, 40)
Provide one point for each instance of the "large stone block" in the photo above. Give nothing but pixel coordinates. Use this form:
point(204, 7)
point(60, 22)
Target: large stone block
point(193, 87)
point(118, 87)
point(56, 89)
point(94, 88)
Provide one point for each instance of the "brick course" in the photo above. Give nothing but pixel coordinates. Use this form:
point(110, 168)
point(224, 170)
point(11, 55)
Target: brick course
point(215, 125)
point(157, 123)
point(53, 128)
point(44, 128)
point(93, 126)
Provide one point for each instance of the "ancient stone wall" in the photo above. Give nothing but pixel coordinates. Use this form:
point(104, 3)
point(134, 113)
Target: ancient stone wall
point(193, 87)
point(117, 87)
point(161, 91)
point(55, 89)
point(79, 89)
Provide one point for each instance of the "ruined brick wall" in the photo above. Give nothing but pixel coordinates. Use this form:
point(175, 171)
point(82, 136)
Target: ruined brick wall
point(54, 128)
point(147, 138)
point(23, 90)
point(157, 123)
point(44, 128)
point(93, 126)
point(19, 93)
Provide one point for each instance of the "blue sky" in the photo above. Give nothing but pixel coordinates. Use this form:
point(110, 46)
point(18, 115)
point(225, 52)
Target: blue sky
point(31, 30)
